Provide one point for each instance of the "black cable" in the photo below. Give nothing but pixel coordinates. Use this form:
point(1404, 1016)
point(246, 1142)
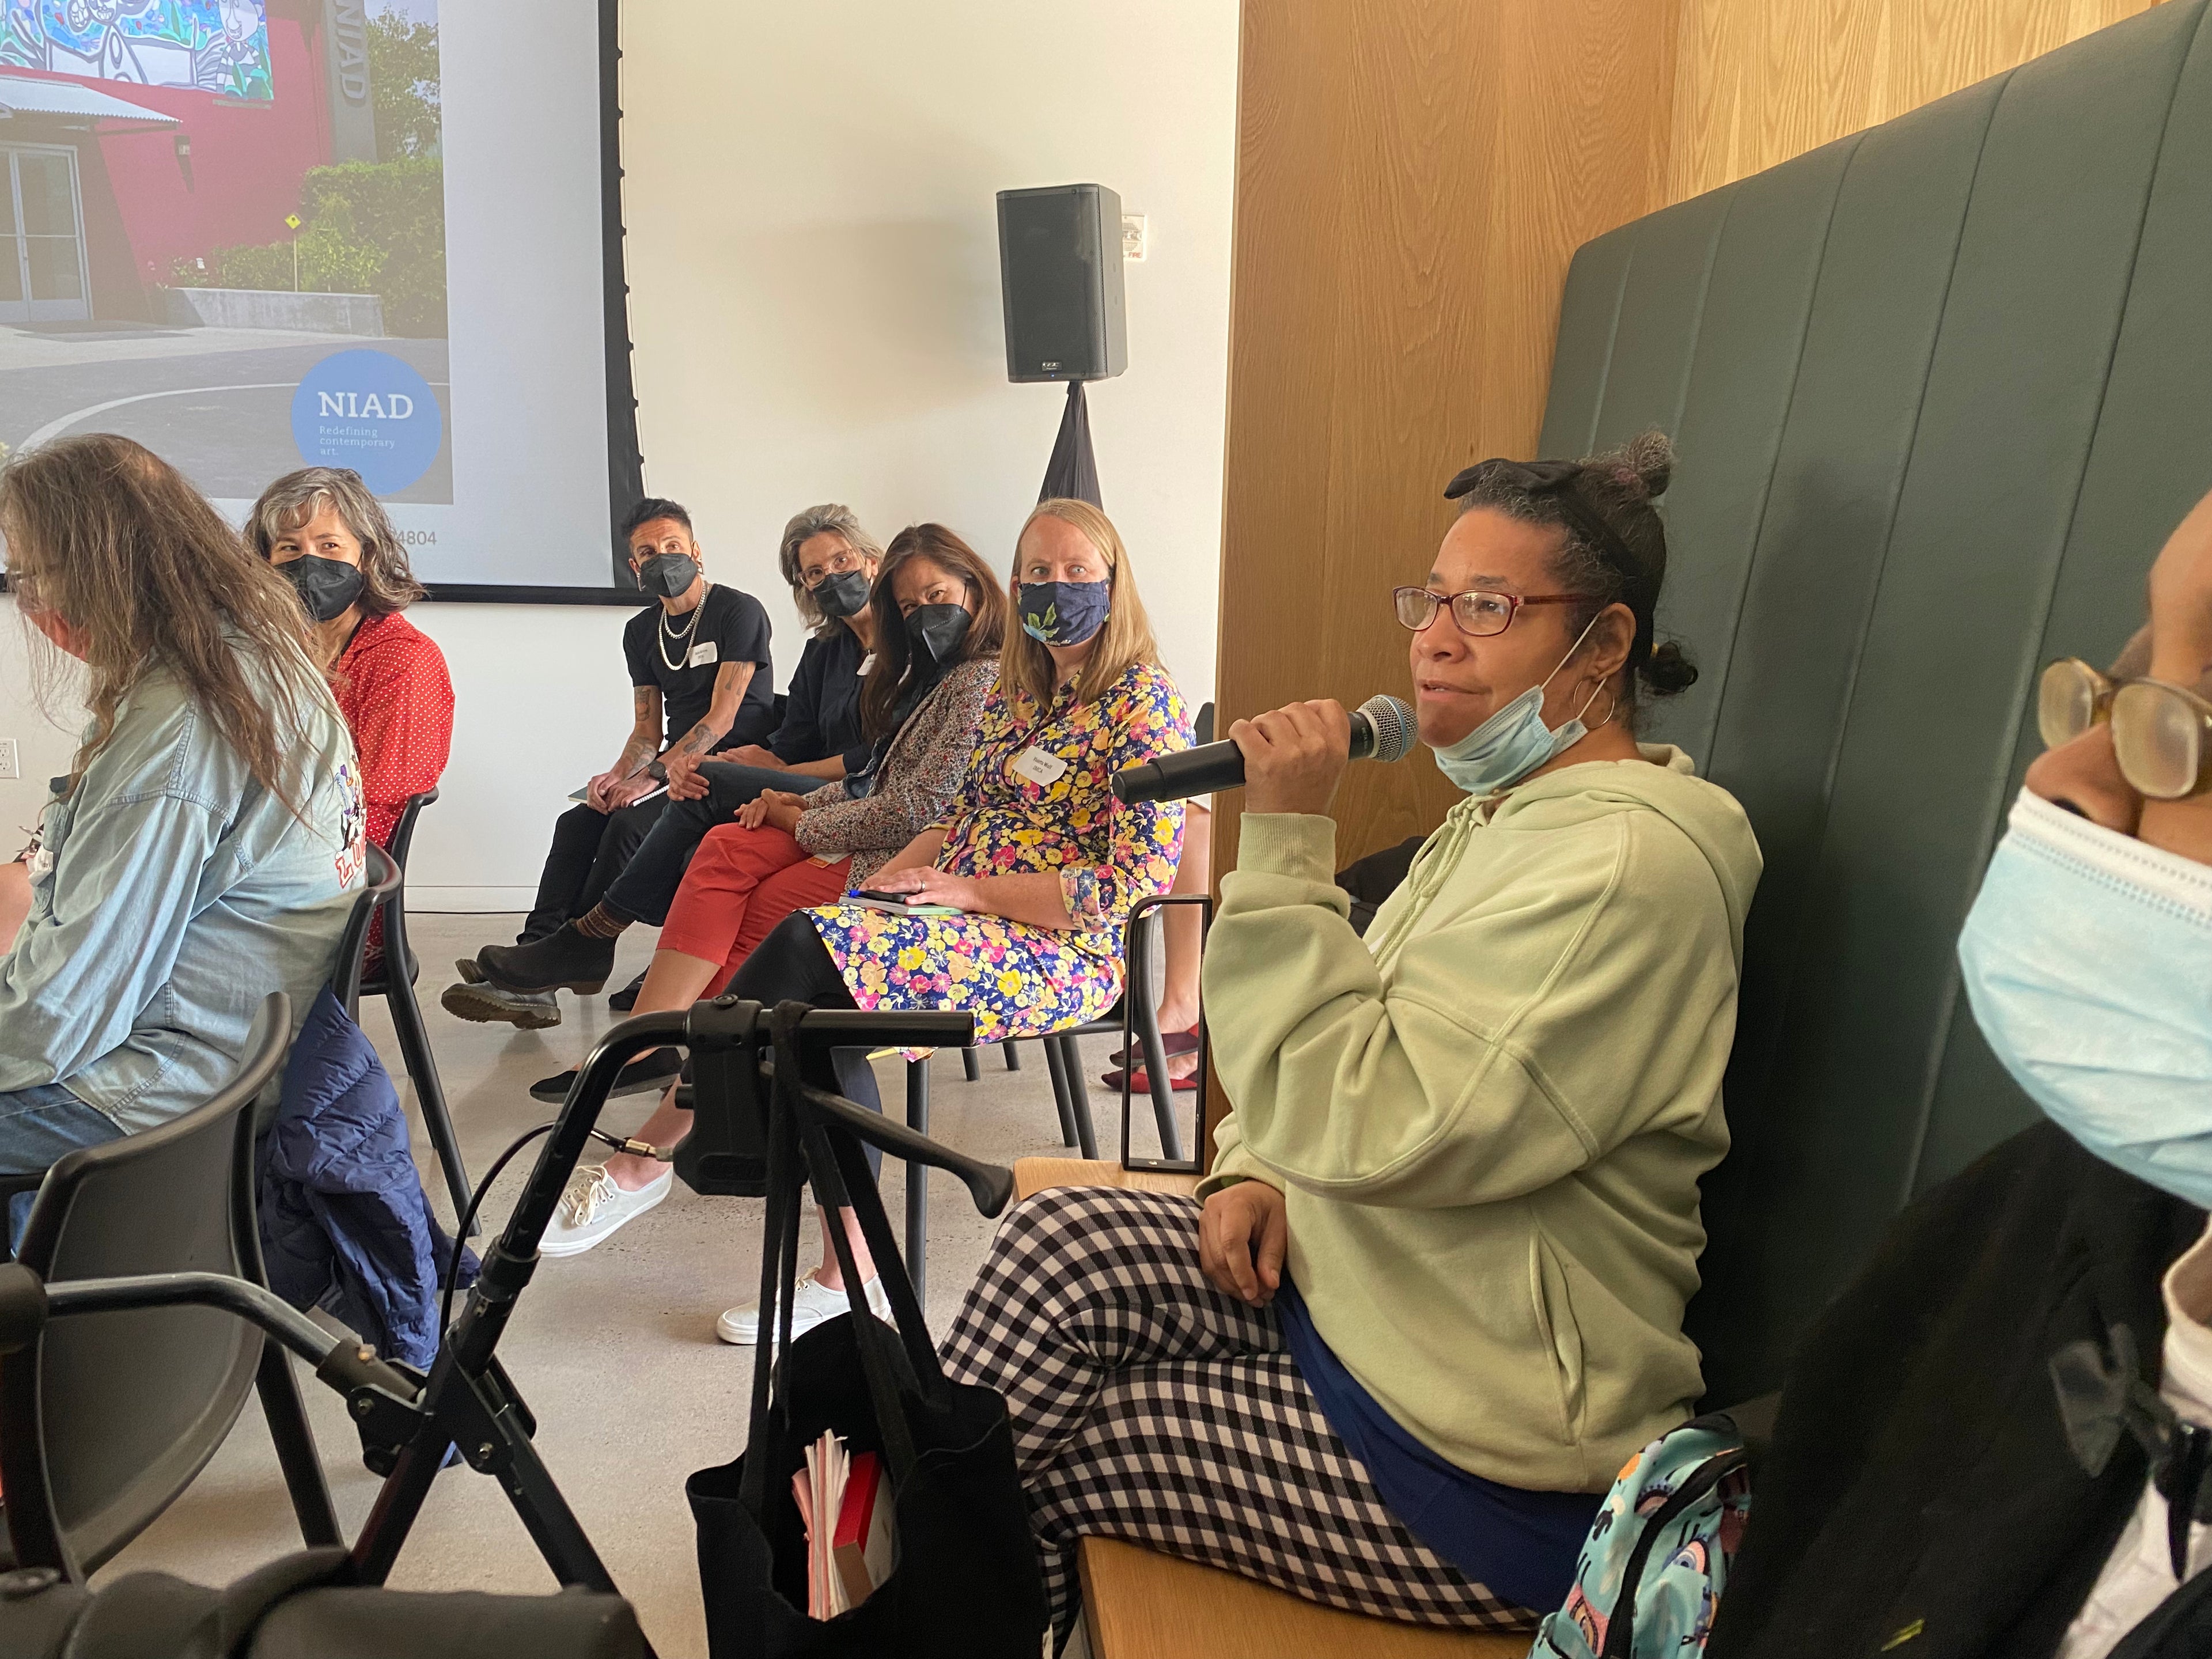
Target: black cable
point(620, 1144)
point(454, 1267)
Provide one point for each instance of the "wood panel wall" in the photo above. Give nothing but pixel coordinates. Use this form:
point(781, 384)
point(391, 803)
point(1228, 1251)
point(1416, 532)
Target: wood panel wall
point(1757, 82)
point(1413, 177)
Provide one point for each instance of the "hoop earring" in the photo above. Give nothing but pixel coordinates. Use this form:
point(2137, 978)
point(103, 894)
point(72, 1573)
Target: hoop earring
point(1611, 708)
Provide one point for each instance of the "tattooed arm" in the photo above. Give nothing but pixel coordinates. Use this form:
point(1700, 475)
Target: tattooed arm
point(621, 778)
point(681, 762)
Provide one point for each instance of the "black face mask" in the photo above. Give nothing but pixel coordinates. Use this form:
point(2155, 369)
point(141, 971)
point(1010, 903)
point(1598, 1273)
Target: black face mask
point(938, 631)
point(667, 573)
point(842, 594)
point(325, 586)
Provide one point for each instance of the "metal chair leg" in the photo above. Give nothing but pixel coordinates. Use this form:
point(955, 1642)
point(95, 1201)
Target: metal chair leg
point(1144, 1016)
point(1013, 1053)
point(1162, 1086)
point(423, 1069)
point(295, 1449)
point(1053, 1064)
point(1078, 1093)
point(917, 1181)
point(970, 1066)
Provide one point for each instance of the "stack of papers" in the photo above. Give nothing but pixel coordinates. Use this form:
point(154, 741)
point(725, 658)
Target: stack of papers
point(847, 1559)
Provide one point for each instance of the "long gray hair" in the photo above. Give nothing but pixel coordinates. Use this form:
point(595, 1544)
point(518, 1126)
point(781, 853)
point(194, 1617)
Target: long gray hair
point(387, 583)
point(831, 519)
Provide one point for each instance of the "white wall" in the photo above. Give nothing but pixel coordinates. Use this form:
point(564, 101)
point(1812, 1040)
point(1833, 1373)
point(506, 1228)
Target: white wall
point(44, 746)
point(814, 270)
point(814, 276)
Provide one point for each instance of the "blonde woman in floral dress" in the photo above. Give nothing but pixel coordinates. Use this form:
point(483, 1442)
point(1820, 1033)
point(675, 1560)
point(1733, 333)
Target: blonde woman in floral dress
point(1036, 859)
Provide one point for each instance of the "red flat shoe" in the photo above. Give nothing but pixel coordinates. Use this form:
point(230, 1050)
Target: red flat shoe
point(1171, 1042)
point(1140, 1083)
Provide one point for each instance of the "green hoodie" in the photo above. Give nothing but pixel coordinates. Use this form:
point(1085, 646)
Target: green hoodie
point(1489, 1117)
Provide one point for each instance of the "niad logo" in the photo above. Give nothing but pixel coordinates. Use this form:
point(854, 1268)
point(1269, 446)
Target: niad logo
point(352, 406)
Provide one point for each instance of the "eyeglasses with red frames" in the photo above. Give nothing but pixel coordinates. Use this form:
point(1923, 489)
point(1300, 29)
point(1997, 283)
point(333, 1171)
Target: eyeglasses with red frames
point(1476, 613)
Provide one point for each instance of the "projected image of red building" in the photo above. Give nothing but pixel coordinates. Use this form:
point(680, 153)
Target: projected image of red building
point(156, 153)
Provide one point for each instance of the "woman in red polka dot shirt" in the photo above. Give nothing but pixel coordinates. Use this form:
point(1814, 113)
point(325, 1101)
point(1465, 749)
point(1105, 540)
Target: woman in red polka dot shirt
point(321, 528)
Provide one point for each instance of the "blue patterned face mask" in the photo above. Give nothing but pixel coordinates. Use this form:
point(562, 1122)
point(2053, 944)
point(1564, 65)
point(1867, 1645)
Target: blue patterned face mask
point(1514, 741)
point(2087, 959)
point(1064, 613)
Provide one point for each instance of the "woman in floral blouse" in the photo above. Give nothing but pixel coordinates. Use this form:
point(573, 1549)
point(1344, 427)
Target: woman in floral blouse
point(941, 619)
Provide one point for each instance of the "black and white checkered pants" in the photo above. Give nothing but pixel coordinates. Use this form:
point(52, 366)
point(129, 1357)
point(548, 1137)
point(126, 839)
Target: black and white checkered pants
point(1149, 1406)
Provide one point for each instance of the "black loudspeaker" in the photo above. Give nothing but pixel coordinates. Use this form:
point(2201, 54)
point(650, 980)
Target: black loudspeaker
point(1059, 272)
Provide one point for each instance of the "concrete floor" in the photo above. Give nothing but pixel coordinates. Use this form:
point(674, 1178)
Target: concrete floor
point(615, 1350)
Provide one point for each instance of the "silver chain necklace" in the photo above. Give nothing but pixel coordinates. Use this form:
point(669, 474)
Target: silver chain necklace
point(684, 650)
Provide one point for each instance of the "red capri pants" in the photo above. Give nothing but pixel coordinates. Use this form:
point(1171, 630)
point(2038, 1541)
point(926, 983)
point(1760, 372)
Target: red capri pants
point(742, 882)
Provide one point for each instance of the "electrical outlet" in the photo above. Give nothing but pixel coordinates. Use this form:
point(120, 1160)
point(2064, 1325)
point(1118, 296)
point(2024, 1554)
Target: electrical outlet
point(8, 769)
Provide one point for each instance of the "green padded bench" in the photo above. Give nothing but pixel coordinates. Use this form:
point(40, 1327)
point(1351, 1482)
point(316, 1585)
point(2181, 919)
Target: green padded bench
point(1940, 389)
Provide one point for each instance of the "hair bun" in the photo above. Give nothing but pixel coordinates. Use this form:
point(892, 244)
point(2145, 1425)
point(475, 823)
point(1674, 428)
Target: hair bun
point(1646, 462)
point(1668, 671)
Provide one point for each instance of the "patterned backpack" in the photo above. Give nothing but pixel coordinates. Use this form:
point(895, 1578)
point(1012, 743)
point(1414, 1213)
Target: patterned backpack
point(1651, 1571)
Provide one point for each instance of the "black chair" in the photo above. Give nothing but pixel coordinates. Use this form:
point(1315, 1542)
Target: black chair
point(105, 1419)
point(398, 990)
point(971, 1061)
point(346, 977)
point(1064, 1057)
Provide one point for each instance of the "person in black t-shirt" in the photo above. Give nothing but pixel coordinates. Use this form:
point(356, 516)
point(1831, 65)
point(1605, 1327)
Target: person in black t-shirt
point(701, 681)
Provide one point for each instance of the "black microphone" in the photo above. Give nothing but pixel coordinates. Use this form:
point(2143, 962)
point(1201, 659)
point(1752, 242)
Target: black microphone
point(1381, 729)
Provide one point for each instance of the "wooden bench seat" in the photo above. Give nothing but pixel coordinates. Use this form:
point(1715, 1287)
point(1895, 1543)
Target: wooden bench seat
point(1143, 1605)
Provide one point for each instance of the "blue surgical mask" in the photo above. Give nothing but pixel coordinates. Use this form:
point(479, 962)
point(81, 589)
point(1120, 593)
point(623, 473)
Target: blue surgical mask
point(2087, 960)
point(1064, 613)
point(1514, 741)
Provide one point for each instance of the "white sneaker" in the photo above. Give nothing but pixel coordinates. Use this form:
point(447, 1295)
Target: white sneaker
point(816, 1302)
point(594, 1207)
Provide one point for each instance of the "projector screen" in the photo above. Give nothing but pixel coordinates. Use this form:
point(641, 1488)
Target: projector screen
point(383, 234)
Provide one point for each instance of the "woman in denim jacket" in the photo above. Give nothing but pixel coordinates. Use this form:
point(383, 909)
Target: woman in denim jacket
point(205, 846)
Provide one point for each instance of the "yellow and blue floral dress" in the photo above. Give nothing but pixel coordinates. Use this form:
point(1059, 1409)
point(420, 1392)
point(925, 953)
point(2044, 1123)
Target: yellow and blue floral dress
point(1018, 979)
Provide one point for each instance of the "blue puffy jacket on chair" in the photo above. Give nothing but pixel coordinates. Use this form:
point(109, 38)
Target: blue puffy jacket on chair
point(344, 1223)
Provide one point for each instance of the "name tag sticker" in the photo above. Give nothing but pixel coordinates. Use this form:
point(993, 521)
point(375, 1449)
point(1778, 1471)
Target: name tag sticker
point(702, 654)
point(1040, 768)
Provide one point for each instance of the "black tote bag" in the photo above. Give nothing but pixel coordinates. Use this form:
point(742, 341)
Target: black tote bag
point(965, 1580)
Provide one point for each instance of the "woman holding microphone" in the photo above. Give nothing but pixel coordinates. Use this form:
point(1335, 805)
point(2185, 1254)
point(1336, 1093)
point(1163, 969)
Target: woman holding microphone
point(1430, 1298)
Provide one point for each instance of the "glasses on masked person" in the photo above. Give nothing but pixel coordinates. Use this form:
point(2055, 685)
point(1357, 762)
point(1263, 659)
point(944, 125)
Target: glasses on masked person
point(2161, 733)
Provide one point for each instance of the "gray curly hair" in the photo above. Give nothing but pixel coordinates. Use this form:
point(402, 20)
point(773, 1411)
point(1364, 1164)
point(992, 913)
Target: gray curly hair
point(830, 518)
point(387, 582)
